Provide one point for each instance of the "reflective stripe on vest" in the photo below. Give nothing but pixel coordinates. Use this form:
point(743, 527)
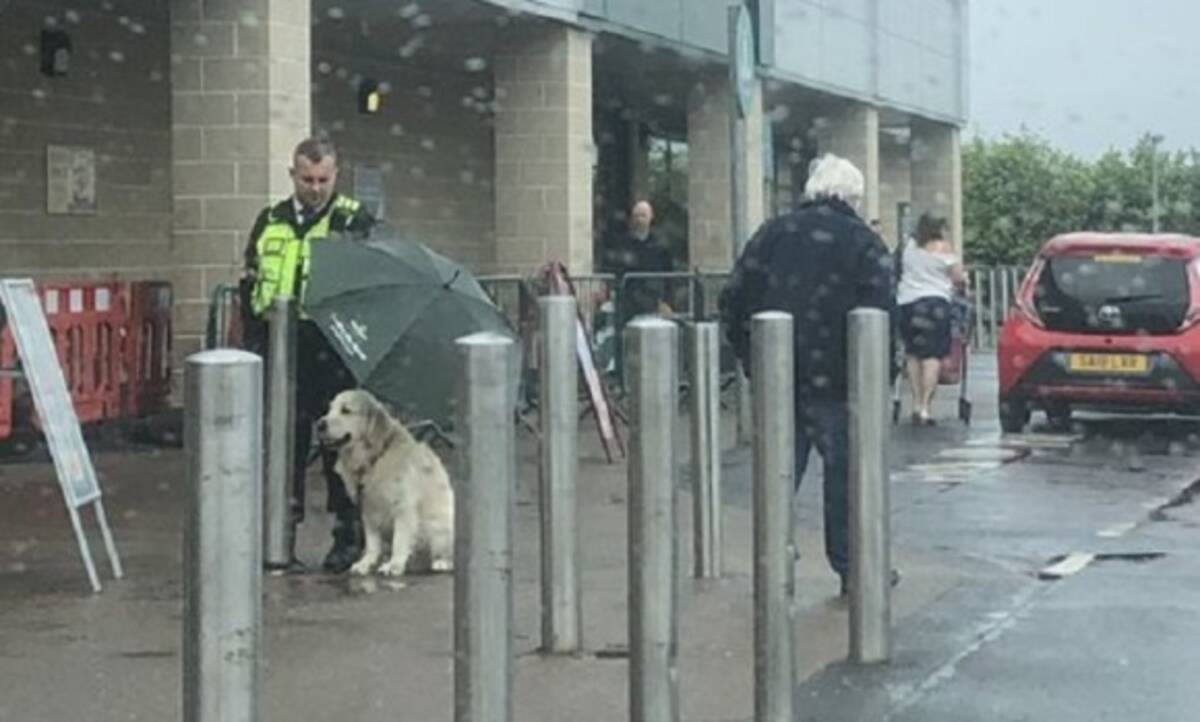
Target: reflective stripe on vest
point(283, 257)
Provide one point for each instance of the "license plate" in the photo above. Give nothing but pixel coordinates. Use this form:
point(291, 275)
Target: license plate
point(1109, 363)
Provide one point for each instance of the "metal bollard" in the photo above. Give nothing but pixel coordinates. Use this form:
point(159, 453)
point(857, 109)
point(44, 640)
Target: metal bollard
point(222, 620)
point(745, 408)
point(977, 297)
point(707, 537)
point(281, 441)
point(870, 542)
point(1005, 280)
point(651, 355)
point(483, 601)
point(993, 321)
point(773, 374)
point(559, 412)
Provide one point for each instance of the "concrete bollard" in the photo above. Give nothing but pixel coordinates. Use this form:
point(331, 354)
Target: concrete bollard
point(222, 621)
point(870, 542)
point(773, 376)
point(703, 349)
point(651, 348)
point(559, 412)
point(281, 441)
point(484, 503)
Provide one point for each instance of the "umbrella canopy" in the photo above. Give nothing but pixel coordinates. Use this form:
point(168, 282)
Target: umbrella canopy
point(392, 309)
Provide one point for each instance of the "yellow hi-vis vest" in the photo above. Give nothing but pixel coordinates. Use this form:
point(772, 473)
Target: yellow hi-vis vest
point(283, 256)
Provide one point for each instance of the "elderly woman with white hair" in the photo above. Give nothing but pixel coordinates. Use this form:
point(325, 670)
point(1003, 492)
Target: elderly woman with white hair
point(817, 263)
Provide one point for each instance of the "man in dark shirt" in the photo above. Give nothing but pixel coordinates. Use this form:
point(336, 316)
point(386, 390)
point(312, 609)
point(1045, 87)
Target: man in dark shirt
point(817, 263)
point(639, 250)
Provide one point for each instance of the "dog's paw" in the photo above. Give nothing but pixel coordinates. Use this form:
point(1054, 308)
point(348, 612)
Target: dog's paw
point(392, 569)
point(442, 565)
point(361, 568)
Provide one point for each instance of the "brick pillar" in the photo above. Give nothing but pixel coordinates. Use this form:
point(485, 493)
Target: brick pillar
point(240, 101)
point(894, 184)
point(852, 132)
point(709, 224)
point(544, 149)
point(937, 173)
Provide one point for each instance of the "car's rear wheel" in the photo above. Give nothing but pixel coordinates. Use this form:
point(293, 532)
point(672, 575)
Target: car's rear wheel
point(1014, 415)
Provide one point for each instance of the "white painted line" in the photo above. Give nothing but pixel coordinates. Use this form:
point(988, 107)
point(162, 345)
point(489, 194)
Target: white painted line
point(954, 467)
point(988, 440)
point(1027, 441)
point(1073, 563)
point(1117, 530)
point(980, 454)
point(930, 478)
point(905, 696)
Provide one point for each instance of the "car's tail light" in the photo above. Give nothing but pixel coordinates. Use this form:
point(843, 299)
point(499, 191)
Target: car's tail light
point(1193, 313)
point(1025, 296)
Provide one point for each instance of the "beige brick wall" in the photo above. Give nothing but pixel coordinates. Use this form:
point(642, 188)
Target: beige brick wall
point(240, 101)
point(851, 130)
point(115, 100)
point(895, 182)
point(709, 232)
point(544, 149)
point(937, 173)
point(432, 139)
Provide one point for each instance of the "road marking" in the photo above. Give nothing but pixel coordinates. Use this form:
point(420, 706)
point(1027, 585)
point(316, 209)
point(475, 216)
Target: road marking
point(1156, 502)
point(953, 467)
point(1117, 530)
point(1028, 441)
point(981, 454)
point(1071, 564)
point(960, 464)
point(905, 696)
point(930, 478)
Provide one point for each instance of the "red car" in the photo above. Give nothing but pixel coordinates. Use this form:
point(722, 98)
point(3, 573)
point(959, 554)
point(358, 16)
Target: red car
point(1104, 321)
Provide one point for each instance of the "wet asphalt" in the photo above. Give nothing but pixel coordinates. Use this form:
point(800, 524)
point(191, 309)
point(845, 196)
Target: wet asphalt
point(984, 512)
point(1115, 641)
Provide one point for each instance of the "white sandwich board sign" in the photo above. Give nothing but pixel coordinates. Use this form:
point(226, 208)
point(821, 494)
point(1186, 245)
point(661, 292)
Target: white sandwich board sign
point(41, 369)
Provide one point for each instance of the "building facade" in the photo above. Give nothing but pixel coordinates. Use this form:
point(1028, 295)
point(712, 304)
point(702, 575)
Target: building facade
point(511, 132)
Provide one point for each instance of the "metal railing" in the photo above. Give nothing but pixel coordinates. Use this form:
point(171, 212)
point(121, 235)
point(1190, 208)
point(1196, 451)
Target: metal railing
point(222, 310)
point(607, 304)
point(993, 292)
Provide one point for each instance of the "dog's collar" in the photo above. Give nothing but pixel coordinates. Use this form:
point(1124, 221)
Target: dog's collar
point(383, 447)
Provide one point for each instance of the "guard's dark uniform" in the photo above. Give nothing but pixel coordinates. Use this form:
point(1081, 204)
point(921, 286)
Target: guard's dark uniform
point(277, 264)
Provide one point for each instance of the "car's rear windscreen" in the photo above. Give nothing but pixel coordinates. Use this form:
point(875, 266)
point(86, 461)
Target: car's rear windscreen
point(1113, 293)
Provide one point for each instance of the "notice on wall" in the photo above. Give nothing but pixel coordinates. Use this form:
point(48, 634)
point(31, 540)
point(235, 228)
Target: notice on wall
point(70, 180)
point(369, 188)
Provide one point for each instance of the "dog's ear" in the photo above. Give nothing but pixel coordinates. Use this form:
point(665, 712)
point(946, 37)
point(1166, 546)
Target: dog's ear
point(378, 423)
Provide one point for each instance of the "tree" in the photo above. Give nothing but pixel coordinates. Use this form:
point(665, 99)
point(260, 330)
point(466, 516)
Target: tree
point(1020, 191)
point(1017, 192)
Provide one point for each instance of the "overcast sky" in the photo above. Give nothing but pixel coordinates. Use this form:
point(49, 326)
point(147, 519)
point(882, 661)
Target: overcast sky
point(1087, 74)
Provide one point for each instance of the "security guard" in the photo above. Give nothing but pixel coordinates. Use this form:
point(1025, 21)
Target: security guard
point(277, 263)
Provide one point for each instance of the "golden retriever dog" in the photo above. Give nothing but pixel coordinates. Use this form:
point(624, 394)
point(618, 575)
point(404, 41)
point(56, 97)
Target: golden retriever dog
point(399, 484)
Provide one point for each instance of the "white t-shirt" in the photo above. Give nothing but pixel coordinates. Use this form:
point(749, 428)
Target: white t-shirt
point(924, 274)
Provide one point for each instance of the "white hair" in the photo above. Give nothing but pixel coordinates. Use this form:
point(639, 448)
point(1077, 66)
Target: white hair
point(830, 176)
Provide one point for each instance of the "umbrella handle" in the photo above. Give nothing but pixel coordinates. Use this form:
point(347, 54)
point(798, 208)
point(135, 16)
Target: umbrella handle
point(419, 427)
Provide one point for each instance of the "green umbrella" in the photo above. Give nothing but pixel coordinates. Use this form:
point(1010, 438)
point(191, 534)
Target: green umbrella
point(392, 310)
